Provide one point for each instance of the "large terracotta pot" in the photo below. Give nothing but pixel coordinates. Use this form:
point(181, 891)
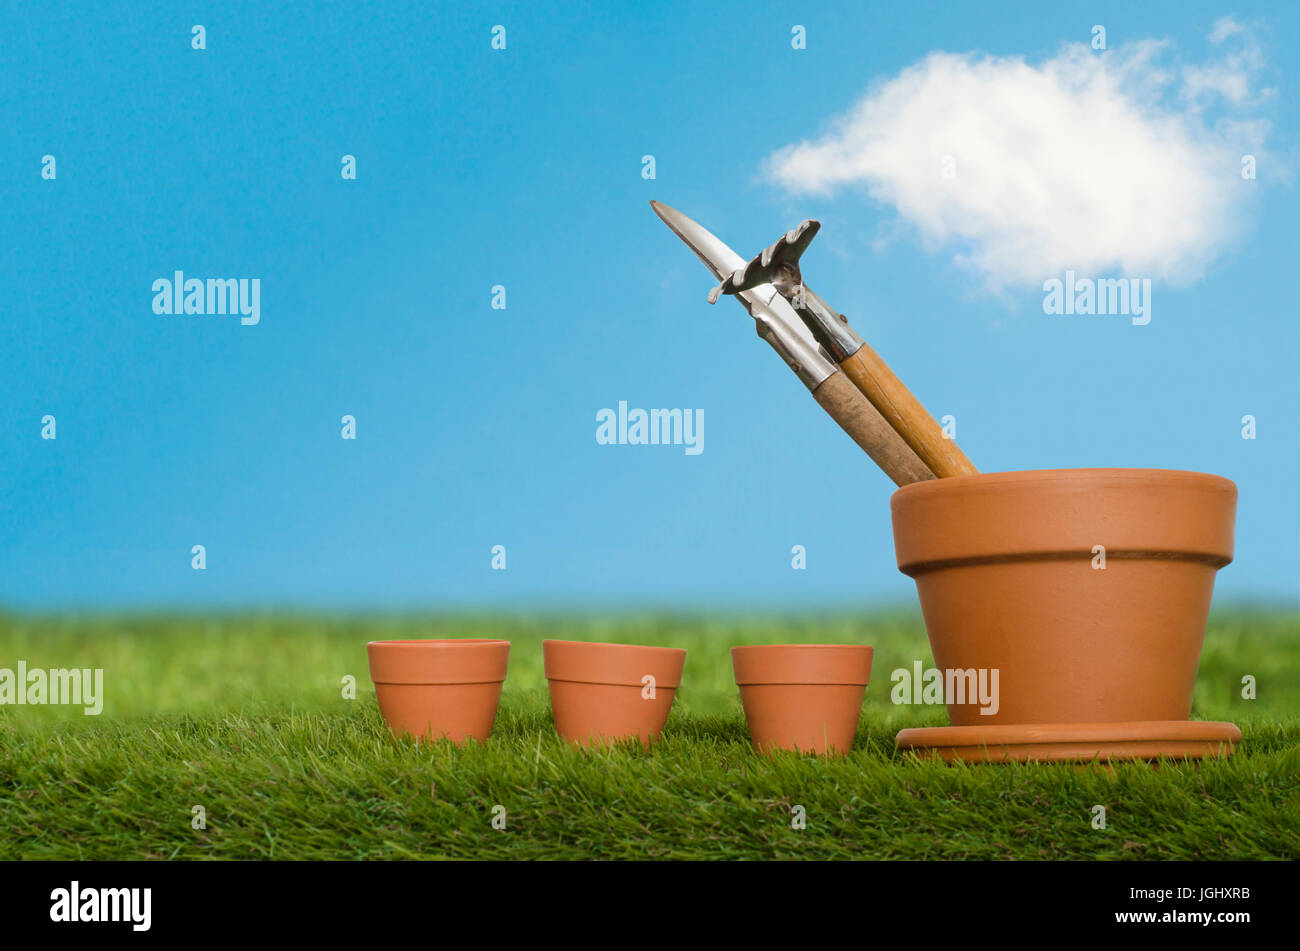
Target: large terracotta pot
point(434, 689)
point(1009, 570)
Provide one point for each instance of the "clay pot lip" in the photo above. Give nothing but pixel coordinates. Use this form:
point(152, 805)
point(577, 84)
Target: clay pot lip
point(621, 665)
point(802, 664)
point(1062, 514)
point(439, 661)
point(437, 642)
point(1017, 478)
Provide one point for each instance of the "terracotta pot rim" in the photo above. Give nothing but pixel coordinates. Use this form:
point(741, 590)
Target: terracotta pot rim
point(608, 683)
point(437, 642)
point(1063, 515)
point(438, 662)
point(614, 665)
point(756, 647)
point(642, 647)
point(809, 665)
point(1017, 477)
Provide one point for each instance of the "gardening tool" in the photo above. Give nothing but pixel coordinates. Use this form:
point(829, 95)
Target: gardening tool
point(778, 266)
point(778, 324)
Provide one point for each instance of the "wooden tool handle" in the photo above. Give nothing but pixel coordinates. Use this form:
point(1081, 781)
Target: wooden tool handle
point(857, 417)
point(905, 414)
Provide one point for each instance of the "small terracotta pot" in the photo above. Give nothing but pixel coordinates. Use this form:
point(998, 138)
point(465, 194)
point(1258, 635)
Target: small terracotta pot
point(599, 692)
point(439, 689)
point(802, 697)
point(1004, 567)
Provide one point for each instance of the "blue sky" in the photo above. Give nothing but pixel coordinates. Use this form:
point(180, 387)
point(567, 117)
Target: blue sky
point(523, 168)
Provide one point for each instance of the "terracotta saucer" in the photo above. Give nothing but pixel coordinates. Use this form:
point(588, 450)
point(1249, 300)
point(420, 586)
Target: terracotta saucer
point(1074, 742)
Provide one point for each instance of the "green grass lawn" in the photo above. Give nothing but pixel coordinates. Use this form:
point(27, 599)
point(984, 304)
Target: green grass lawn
point(245, 717)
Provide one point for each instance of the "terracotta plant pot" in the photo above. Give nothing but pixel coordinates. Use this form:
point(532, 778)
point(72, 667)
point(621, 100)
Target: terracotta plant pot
point(1009, 570)
point(599, 692)
point(439, 689)
point(802, 697)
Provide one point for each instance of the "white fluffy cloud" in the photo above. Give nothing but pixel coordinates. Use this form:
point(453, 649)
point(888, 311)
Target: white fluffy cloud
point(1100, 162)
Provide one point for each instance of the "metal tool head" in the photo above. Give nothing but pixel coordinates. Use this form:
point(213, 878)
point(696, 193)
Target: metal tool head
point(710, 249)
point(777, 264)
point(774, 318)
